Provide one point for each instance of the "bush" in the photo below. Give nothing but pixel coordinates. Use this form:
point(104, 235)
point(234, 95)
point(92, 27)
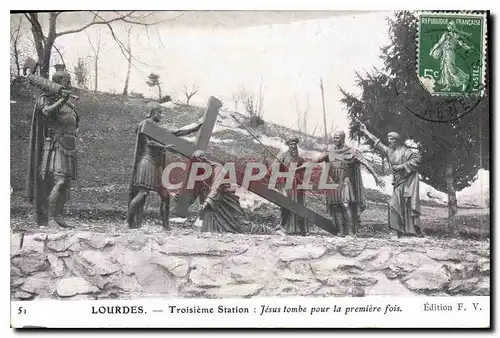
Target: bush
point(256, 121)
point(166, 98)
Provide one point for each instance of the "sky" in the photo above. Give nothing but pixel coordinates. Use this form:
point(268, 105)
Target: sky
point(222, 52)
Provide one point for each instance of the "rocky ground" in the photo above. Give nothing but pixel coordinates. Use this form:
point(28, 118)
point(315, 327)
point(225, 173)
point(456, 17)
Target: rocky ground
point(185, 263)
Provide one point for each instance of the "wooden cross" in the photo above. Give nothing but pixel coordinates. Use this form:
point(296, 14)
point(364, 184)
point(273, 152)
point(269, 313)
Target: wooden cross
point(185, 197)
point(187, 149)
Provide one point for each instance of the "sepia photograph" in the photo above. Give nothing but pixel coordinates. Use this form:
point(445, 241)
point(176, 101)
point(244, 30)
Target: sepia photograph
point(250, 166)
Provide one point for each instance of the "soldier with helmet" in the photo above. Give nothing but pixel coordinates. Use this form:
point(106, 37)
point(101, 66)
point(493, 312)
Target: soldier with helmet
point(149, 162)
point(52, 159)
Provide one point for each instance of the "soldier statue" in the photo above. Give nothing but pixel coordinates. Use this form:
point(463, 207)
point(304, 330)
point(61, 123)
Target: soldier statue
point(52, 153)
point(149, 162)
point(346, 203)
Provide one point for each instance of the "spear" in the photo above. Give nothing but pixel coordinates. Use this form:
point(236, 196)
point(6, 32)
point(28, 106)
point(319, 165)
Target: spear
point(269, 150)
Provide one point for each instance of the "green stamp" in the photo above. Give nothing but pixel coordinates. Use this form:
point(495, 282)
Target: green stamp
point(451, 53)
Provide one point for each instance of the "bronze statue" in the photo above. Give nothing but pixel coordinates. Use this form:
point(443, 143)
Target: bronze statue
point(221, 210)
point(292, 224)
point(404, 206)
point(149, 162)
point(52, 161)
point(346, 203)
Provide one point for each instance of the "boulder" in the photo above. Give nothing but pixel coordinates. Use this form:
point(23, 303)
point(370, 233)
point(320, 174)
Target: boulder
point(40, 284)
point(464, 287)
point(97, 262)
point(30, 263)
point(334, 265)
point(177, 266)
point(191, 246)
point(23, 295)
point(56, 265)
point(303, 252)
point(234, 291)
point(427, 278)
point(352, 249)
point(34, 243)
point(72, 286)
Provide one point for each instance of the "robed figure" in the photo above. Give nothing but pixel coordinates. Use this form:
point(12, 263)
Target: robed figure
point(52, 151)
point(148, 164)
point(292, 224)
point(221, 210)
point(347, 201)
point(404, 206)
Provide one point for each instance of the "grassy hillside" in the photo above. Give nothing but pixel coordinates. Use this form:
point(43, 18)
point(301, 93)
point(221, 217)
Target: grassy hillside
point(105, 145)
point(106, 140)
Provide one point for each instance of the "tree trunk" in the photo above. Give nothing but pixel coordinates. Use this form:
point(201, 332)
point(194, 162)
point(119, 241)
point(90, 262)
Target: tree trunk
point(452, 195)
point(16, 59)
point(159, 91)
point(127, 80)
point(129, 59)
point(96, 72)
point(45, 59)
point(324, 110)
point(253, 121)
point(16, 49)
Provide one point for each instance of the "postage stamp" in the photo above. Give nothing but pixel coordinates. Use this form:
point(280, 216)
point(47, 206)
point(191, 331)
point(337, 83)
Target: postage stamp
point(451, 52)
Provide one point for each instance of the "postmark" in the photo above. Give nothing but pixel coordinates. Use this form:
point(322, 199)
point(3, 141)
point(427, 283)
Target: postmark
point(452, 52)
point(442, 109)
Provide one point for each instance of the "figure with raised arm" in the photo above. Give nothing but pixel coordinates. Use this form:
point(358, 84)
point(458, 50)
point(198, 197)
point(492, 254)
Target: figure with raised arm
point(404, 206)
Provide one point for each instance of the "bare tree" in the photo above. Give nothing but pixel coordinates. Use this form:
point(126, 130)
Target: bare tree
point(81, 73)
point(302, 119)
point(189, 93)
point(96, 49)
point(45, 42)
point(236, 97)
point(324, 110)
point(154, 81)
point(14, 38)
point(253, 104)
point(129, 65)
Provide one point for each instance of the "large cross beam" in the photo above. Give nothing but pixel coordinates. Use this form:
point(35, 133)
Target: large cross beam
point(187, 149)
point(185, 197)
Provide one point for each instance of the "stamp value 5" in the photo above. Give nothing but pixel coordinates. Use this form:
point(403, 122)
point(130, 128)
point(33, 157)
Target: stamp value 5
point(451, 53)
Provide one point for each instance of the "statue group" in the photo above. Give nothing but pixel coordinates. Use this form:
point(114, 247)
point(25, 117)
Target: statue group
point(52, 166)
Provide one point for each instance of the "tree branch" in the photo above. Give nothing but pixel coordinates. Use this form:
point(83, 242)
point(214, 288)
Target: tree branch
point(29, 19)
point(127, 18)
point(151, 23)
point(93, 22)
point(60, 54)
point(121, 45)
point(90, 42)
point(38, 38)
